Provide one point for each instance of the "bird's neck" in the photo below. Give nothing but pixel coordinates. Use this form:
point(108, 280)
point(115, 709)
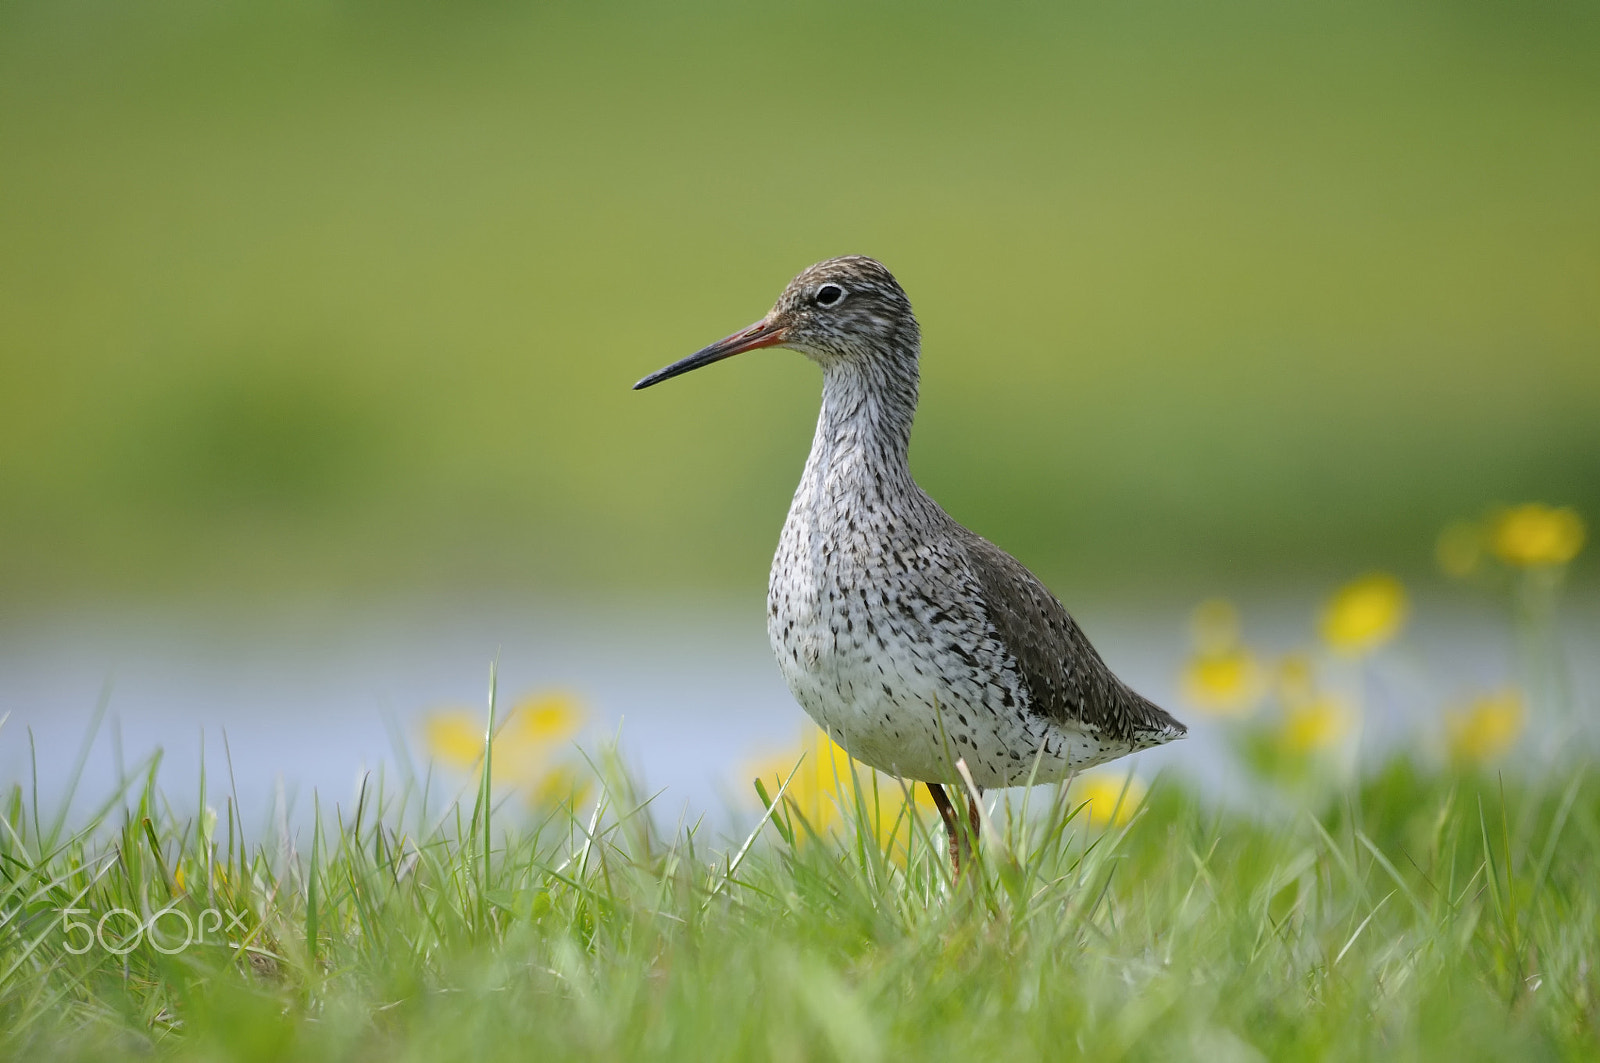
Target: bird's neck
point(864, 430)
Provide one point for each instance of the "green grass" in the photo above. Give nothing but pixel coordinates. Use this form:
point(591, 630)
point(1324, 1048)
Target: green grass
point(1415, 916)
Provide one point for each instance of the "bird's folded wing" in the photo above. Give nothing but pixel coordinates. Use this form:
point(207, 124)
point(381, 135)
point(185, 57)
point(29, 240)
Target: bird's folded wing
point(1065, 677)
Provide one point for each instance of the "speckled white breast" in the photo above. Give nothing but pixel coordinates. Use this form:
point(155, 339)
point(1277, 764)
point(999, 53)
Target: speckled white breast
point(881, 637)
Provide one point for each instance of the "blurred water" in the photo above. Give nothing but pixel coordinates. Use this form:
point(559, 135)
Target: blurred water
point(312, 697)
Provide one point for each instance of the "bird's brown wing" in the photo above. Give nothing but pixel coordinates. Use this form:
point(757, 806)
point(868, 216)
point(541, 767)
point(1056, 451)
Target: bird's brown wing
point(1065, 678)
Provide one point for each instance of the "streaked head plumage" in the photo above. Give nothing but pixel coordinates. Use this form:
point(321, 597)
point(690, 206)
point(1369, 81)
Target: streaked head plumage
point(845, 307)
point(840, 311)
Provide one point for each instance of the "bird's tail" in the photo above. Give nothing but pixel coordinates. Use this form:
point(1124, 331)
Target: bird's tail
point(1154, 725)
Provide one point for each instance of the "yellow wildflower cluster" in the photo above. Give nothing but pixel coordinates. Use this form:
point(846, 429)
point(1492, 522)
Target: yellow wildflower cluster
point(1534, 535)
point(1485, 729)
point(1112, 797)
point(825, 785)
point(1319, 723)
point(525, 747)
point(1529, 536)
point(1223, 678)
point(1364, 614)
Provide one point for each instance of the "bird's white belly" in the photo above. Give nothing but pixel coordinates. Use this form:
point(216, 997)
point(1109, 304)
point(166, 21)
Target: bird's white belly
point(870, 699)
point(884, 694)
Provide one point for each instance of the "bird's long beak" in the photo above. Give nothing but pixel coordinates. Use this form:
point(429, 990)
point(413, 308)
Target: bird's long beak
point(763, 333)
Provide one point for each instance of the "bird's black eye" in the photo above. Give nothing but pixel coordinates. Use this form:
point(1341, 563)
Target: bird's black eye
point(829, 294)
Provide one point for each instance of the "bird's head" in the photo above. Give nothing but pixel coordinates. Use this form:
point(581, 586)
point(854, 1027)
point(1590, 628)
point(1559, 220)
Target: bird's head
point(842, 310)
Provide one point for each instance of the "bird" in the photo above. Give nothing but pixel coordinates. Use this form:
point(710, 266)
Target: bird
point(923, 649)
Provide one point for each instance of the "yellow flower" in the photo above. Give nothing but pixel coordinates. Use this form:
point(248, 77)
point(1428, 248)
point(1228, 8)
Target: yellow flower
point(1229, 683)
point(1113, 798)
point(821, 773)
point(1316, 725)
point(1536, 534)
point(524, 746)
point(545, 719)
point(1459, 550)
point(1364, 614)
point(454, 736)
point(1486, 729)
point(823, 786)
point(1223, 677)
point(561, 785)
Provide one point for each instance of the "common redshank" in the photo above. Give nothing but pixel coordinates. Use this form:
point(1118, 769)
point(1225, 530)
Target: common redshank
point(917, 644)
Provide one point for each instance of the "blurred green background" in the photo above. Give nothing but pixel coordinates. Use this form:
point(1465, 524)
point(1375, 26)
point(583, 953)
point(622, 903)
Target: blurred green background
point(347, 297)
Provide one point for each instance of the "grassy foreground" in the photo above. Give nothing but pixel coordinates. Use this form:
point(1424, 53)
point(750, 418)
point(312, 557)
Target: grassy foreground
point(1416, 916)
